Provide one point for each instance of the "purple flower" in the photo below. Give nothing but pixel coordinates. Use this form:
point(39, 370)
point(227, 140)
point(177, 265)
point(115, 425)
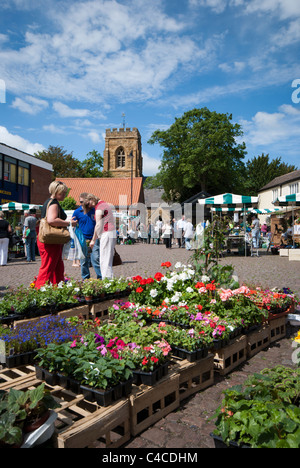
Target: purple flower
point(99, 339)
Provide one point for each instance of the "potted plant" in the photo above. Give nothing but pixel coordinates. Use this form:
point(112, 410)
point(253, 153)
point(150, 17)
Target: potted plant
point(264, 413)
point(22, 412)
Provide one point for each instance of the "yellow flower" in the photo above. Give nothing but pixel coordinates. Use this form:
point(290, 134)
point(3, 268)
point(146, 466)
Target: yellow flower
point(297, 339)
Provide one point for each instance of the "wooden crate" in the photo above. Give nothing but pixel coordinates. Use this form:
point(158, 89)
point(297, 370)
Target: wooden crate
point(82, 424)
point(258, 340)
point(79, 423)
point(83, 311)
point(149, 404)
point(100, 309)
point(228, 358)
point(195, 376)
point(277, 329)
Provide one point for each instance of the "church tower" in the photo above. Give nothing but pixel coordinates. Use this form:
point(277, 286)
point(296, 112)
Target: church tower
point(123, 153)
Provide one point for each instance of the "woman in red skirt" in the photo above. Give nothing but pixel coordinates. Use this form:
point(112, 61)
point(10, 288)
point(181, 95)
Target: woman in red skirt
point(52, 266)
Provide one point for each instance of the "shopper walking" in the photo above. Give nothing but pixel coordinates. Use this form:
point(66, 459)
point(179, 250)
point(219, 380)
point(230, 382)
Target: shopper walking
point(5, 231)
point(188, 234)
point(30, 235)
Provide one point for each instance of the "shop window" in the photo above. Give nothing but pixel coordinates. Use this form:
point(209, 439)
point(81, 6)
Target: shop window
point(10, 171)
point(23, 176)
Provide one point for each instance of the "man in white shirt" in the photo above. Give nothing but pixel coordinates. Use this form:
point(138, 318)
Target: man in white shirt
point(180, 229)
point(188, 234)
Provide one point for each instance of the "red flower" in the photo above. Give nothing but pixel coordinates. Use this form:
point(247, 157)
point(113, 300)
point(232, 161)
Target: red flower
point(158, 276)
point(210, 287)
point(166, 264)
point(139, 290)
point(199, 285)
point(137, 278)
point(154, 359)
point(144, 361)
point(149, 280)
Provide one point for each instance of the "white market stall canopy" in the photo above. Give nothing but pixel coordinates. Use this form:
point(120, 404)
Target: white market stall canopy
point(241, 210)
point(288, 200)
point(230, 200)
point(12, 206)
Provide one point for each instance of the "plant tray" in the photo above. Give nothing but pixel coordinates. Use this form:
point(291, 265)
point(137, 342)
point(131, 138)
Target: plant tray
point(231, 356)
point(258, 340)
point(278, 329)
point(149, 404)
point(194, 377)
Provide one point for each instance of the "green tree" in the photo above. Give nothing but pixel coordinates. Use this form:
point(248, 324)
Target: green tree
point(69, 203)
point(91, 166)
point(260, 171)
point(200, 153)
point(64, 164)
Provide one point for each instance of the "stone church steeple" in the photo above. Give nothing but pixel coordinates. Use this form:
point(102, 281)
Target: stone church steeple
point(120, 144)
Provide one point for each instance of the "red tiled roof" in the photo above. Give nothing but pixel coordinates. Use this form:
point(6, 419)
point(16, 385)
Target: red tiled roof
point(112, 190)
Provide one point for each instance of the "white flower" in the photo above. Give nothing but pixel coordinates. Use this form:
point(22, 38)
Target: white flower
point(189, 289)
point(205, 278)
point(178, 265)
point(153, 292)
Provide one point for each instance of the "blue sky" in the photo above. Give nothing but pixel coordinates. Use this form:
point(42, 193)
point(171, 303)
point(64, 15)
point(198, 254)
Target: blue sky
point(69, 69)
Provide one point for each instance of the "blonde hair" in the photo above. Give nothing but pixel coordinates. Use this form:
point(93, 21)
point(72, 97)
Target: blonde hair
point(1, 214)
point(57, 187)
point(89, 197)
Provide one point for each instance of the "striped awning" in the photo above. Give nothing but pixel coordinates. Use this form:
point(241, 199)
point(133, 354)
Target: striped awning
point(241, 210)
point(13, 206)
point(288, 200)
point(230, 200)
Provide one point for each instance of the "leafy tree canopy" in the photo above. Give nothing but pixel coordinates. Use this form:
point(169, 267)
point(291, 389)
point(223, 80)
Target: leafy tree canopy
point(260, 171)
point(66, 165)
point(200, 153)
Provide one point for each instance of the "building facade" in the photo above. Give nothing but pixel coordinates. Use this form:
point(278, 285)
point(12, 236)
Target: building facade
point(122, 155)
point(23, 177)
point(287, 184)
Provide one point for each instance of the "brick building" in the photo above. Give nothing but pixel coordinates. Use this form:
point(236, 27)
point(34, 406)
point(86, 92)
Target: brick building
point(23, 177)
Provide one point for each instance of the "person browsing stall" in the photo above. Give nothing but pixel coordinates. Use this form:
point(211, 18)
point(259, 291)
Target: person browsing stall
point(52, 265)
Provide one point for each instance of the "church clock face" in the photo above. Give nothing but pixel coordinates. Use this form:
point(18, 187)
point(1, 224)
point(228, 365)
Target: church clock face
point(123, 153)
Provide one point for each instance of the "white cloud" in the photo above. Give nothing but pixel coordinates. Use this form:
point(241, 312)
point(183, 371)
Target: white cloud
point(65, 111)
point(30, 105)
point(99, 51)
point(18, 142)
point(94, 136)
point(278, 131)
point(150, 165)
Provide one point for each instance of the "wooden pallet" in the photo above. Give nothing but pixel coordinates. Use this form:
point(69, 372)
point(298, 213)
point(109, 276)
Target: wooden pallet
point(82, 424)
point(195, 376)
point(79, 423)
point(231, 356)
point(258, 340)
point(16, 377)
point(149, 404)
point(278, 329)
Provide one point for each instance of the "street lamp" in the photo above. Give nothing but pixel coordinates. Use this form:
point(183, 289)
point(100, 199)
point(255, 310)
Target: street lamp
point(131, 157)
